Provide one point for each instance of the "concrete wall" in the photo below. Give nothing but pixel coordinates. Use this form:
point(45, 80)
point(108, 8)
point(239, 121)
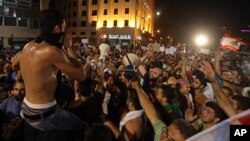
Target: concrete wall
point(18, 32)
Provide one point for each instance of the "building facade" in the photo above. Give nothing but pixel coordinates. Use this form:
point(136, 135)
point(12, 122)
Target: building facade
point(18, 22)
point(121, 22)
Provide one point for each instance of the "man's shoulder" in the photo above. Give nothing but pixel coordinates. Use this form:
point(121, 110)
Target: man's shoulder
point(42, 44)
point(42, 49)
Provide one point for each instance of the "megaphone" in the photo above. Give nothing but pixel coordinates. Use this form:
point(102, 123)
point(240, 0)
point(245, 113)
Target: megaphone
point(104, 48)
point(131, 59)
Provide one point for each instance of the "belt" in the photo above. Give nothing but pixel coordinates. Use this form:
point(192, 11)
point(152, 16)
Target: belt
point(41, 115)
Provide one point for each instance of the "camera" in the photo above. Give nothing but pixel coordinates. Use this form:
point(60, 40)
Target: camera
point(130, 73)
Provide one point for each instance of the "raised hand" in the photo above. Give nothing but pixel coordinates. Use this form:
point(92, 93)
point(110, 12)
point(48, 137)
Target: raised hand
point(135, 84)
point(208, 70)
point(189, 115)
point(218, 56)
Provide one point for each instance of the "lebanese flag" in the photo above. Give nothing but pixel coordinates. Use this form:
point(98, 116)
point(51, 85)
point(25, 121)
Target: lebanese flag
point(221, 131)
point(230, 43)
point(241, 43)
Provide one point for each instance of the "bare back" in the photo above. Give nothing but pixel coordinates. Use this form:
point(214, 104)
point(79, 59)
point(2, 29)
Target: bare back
point(39, 64)
point(38, 72)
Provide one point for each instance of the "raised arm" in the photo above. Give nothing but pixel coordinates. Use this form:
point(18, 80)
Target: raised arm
point(235, 88)
point(221, 98)
point(183, 68)
point(217, 58)
point(69, 65)
point(147, 56)
point(146, 103)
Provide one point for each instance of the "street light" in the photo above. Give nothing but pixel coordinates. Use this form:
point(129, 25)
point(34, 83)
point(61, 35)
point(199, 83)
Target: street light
point(158, 13)
point(201, 40)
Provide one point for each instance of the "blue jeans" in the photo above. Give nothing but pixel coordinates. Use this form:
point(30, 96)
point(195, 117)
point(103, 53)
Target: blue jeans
point(61, 120)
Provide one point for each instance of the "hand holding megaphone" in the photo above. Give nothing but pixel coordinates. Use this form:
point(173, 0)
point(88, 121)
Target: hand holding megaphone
point(131, 59)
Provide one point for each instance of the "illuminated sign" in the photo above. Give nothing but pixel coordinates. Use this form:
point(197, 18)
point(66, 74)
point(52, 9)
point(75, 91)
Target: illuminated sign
point(103, 36)
point(139, 37)
point(117, 36)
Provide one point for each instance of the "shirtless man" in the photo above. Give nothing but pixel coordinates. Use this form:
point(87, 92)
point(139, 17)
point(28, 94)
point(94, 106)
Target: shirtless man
point(39, 62)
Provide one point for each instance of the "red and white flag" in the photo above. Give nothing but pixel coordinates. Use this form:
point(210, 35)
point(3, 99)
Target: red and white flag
point(229, 43)
point(221, 131)
point(242, 43)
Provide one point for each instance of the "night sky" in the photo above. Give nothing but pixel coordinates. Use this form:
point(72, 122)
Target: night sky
point(184, 18)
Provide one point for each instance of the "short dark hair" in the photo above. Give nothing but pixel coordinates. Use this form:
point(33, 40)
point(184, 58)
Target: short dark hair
point(185, 128)
point(219, 113)
point(201, 77)
point(48, 19)
point(243, 103)
point(106, 76)
point(168, 92)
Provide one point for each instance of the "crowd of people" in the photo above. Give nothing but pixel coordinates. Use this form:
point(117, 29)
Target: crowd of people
point(53, 90)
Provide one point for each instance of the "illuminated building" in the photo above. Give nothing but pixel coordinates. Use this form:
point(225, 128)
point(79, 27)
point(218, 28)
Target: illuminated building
point(18, 22)
point(119, 21)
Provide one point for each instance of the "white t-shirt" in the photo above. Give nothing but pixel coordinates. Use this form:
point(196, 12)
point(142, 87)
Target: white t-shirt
point(172, 50)
point(245, 91)
point(208, 91)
